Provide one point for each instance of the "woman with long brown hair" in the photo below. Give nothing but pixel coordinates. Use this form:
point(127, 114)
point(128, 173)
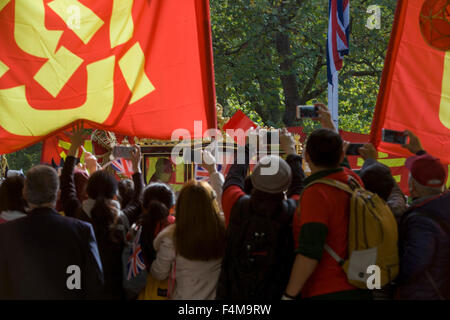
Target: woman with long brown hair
point(109, 220)
point(190, 251)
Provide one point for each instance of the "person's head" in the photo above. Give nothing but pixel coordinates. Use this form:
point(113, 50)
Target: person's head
point(11, 194)
point(427, 176)
point(41, 187)
point(126, 192)
point(157, 200)
point(200, 230)
point(102, 187)
point(159, 192)
point(102, 184)
point(378, 179)
point(163, 169)
point(324, 150)
point(271, 175)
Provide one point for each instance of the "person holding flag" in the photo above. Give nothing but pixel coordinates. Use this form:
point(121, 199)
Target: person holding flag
point(109, 220)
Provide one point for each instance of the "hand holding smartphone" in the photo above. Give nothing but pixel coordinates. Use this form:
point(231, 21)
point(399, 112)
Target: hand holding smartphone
point(124, 152)
point(353, 149)
point(307, 112)
point(392, 136)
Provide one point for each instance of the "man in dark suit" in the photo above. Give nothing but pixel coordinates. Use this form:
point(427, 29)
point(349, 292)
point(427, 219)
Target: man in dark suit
point(45, 255)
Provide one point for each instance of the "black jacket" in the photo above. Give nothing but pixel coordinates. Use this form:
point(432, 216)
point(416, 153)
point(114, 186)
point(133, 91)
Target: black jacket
point(110, 251)
point(425, 248)
point(268, 280)
point(36, 251)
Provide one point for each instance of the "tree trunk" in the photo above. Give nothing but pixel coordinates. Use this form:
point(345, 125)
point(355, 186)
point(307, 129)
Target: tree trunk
point(288, 78)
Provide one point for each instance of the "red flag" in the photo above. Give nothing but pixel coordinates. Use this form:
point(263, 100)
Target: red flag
point(140, 68)
point(394, 162)
point(56, 147)
point(239, 121)
point(415, 88)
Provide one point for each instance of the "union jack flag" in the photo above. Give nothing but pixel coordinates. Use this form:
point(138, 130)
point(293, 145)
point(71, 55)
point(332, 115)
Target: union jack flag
point(122, 167)
point(201, 174)
point(136, 261)
point(337, 47)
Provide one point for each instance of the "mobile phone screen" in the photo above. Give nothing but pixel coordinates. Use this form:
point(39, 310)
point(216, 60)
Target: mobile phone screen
point(307, 112)
point(353, 149)
point(122, 152)
point(392, 136)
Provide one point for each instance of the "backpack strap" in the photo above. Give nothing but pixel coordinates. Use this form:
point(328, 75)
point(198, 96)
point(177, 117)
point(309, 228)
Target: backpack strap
point(242, 205)
point(334, 255)
point(349, 188)
point(337, 184)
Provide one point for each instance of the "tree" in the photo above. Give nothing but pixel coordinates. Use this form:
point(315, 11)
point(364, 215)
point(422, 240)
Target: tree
point(26, 158)
point(270, 56)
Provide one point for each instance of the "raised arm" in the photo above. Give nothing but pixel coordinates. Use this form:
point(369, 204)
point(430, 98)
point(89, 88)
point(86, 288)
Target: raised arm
point(216, 179)
point(233, 188)
point(133, 209)
point(295, 162)
point(71, 203)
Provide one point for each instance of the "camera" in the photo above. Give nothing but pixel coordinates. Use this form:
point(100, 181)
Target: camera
point(307, 112)
point(122, 152)
point(392, 136)
point(353, 149)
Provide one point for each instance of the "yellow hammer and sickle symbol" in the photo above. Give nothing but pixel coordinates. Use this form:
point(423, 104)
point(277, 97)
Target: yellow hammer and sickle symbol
point(18, 117)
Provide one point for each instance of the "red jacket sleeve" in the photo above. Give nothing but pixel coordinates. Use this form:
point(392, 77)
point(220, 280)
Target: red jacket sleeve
point(229, 198)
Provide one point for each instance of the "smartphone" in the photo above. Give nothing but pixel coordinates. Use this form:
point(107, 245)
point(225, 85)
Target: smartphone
point(307, 112)
point(122, 152)
point(192, 156)
point(353, 149)
point(392, 136)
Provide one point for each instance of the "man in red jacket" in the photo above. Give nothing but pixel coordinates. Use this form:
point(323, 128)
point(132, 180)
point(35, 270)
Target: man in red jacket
point(322, 218)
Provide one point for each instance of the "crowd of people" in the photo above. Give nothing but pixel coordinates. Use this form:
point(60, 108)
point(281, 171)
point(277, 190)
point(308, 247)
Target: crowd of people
point(240, 237)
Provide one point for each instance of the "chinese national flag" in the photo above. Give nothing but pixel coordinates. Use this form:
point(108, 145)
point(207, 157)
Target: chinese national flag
point(415, 88)
point(136, 67)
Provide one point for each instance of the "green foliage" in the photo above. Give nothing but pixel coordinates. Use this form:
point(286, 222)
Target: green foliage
point(26, 158)
point(247, 63)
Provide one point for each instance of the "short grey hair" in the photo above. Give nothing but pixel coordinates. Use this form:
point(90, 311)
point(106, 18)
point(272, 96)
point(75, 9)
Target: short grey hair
point(422, 190)
point(41, 185)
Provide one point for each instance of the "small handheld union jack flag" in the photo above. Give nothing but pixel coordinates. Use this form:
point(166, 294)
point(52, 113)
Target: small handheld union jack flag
point(122, 167)
point(136, 261)
point(201, 174)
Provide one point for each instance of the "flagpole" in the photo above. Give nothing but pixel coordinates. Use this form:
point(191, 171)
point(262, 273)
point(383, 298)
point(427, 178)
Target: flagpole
point(333, 99)
point(337, 47)
point(335, 110)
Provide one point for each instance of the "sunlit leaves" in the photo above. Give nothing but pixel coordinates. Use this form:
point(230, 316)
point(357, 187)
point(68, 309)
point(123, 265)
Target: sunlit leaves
point(247, 64)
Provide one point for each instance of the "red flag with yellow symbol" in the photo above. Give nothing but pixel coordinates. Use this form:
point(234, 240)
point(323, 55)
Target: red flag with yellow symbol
point(56, 148)
point(136, 67)
point(415, 88)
